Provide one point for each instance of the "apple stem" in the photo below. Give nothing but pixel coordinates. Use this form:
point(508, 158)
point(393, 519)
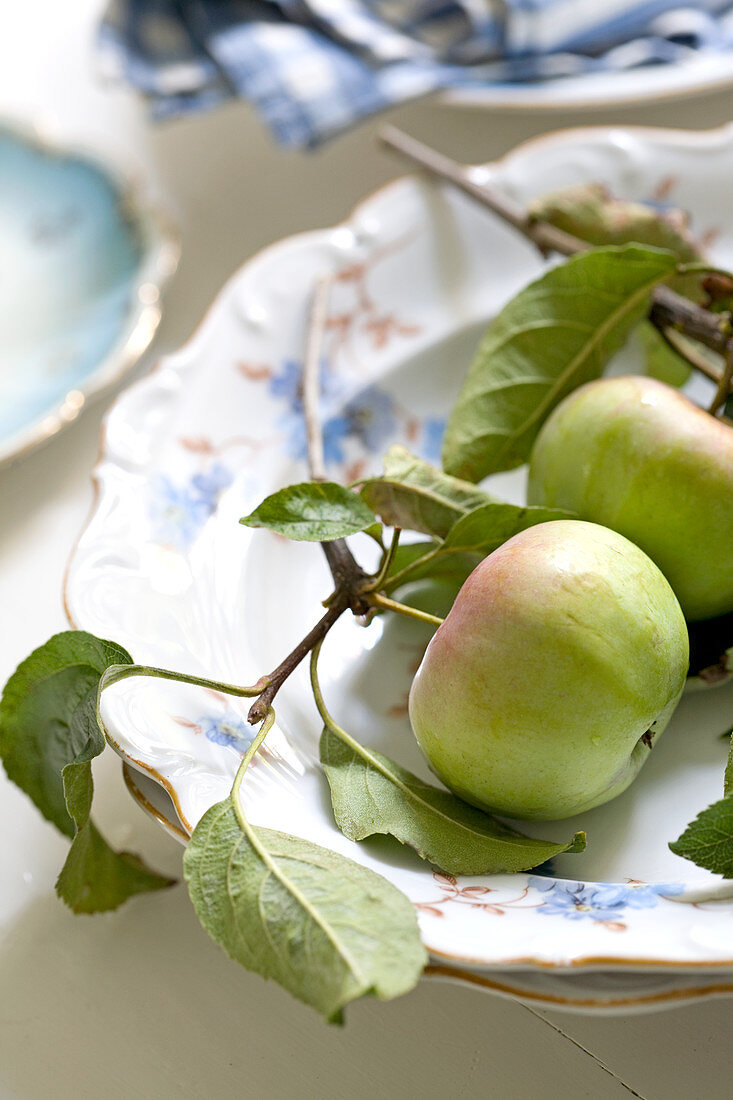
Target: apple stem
point(387, 560)
point(386, 604)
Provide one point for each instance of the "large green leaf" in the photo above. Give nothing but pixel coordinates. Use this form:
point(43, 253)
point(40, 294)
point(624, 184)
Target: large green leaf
point(418, 561)
point(486, 528)
point(49, 736)
point(470, 538)
point(708, 840)
point(96, 878)
point(325, 928)
point(590, 212)
point(371, 794)
point(47, 717)
point(728, 779)
point(418, 497)
point(556, 334)
point(313, 512)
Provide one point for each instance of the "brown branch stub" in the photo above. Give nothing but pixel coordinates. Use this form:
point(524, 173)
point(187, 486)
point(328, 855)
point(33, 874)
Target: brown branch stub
point(277, 678)
point(671, 311)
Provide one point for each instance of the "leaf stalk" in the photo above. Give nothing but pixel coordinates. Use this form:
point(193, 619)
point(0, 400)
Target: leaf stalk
point(257, 740)
point(386, 604)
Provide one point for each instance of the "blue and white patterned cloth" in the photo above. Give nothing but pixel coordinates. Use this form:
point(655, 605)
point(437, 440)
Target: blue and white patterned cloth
point(312, 68)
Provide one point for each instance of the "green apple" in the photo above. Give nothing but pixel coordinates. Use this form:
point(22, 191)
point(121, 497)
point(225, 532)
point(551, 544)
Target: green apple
point(637, 456)
point(560, 662)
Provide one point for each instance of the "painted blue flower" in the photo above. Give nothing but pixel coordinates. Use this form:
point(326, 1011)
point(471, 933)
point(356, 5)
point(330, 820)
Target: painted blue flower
point(335, 430)
point(433, 430)
point(228, 729)
point(178, 512)
point(368, 416)
point(211, 484)
point(601, 901)
point(287, 385)
point(371, 417)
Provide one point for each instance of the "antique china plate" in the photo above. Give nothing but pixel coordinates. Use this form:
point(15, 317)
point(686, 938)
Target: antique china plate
point(164, 568)
point(86, 256)
point(602, 992)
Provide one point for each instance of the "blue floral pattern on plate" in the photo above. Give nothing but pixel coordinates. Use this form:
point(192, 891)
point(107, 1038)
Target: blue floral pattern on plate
point(179, 511)
point(229, 729)
point(368, 417)
point(600, 901)
point(371, 417)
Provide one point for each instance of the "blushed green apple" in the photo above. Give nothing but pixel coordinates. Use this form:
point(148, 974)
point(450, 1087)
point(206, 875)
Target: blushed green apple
point(637, 456)
point(559, 664)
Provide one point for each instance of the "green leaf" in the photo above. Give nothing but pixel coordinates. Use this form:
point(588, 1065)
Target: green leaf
point(418, 497)
point(708, 840)
point(371, 794)
point(95, 878)
point(312, 512)
point(473, 535)
point(728, 779)
point(486, 528)
point(418, 561)
point(47, 717)
point(661, 361)
point(325, 928)
point(48, 738)
point(556, 334)
point(590, 212)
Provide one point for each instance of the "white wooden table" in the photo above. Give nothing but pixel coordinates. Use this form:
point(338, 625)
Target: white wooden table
point(140, 1002)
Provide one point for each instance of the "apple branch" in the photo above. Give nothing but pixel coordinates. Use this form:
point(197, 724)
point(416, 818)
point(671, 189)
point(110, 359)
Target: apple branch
point(669, 312)
point(260, 708)
point(546, 237)
point(349, 578)
point(312, 379)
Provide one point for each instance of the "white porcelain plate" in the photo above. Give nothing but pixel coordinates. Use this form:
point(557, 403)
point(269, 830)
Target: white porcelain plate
point(165, 568)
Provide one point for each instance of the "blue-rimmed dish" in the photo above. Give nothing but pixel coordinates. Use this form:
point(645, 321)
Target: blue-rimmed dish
point(84, 256)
